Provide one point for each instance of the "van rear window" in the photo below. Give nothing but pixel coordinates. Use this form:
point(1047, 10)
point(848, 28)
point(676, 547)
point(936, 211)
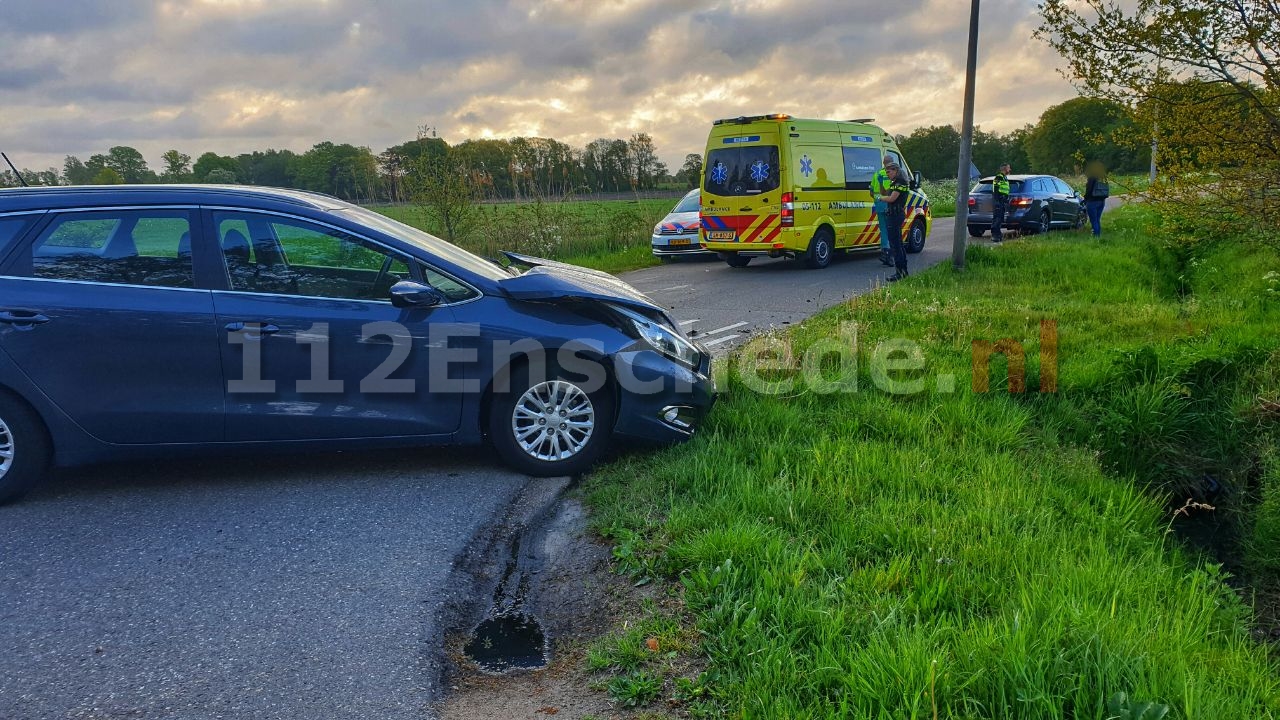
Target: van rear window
point(1015, 187)
point(742, 170)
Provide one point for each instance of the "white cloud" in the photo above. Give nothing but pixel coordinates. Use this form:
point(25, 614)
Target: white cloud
point(235, 76)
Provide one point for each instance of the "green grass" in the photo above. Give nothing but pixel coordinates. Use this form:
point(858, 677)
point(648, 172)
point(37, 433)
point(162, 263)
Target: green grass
point(610, 235)
point(973, 555)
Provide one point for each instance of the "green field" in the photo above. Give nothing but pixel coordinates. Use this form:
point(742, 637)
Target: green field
point(936, 552)
point(609, 235)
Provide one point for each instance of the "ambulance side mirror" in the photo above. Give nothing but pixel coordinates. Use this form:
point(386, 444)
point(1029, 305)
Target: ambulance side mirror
point(915, 180)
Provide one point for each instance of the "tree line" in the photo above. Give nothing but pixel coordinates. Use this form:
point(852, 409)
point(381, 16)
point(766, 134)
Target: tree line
point(1065, 137)
point(513, 168)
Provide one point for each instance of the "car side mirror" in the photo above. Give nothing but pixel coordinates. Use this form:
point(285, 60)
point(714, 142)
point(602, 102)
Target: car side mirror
point(413, 294)
point(915, 180)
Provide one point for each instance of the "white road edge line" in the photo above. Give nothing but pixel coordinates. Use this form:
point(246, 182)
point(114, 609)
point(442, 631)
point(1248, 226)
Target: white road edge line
point(719, 340)
point(682, 323)
point(674, 287)
point(720, 330)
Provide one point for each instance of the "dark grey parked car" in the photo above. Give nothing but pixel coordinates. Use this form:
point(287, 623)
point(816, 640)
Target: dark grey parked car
point(1037, 203)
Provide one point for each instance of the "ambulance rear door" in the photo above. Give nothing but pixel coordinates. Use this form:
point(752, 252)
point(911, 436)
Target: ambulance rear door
point(741, 199)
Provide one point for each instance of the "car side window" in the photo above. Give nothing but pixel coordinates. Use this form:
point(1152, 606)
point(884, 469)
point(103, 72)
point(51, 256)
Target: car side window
point(11, 229)
point(1063, 187)
point(125, 247)
point(287, 256)
point(453, 290)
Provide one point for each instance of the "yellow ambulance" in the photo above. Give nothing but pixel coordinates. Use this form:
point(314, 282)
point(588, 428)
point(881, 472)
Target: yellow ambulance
point(781, 186)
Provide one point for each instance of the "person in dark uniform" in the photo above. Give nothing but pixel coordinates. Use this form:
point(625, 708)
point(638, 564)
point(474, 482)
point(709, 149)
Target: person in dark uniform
point(895, 197)
point(1000, 202)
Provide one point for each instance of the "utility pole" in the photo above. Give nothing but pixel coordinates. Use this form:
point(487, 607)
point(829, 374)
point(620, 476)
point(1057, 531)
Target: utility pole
point(960, 234)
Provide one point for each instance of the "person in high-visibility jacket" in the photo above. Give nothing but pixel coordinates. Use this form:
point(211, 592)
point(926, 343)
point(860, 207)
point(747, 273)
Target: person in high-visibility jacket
point(879, 184)
point(1000, 201)
point(895, 198)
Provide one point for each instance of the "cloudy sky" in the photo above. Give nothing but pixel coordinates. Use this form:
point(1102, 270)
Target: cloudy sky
point(233, 76)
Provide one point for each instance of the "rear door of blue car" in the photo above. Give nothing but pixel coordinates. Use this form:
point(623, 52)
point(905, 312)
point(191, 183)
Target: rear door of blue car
point(100, 309)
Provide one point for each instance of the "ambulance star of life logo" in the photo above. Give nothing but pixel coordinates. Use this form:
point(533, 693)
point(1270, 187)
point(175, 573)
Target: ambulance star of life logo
point(719, 174)
point(806, 166)
point(759, 171)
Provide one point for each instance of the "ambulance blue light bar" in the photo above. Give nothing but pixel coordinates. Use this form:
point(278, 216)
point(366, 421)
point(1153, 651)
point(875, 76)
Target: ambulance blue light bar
point(753, 118)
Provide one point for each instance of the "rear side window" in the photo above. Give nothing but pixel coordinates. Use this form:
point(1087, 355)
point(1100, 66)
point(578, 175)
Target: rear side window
point(860, 164)
point(747, 170)
point(11, 228)
point(1015, 187)
point(125, 247)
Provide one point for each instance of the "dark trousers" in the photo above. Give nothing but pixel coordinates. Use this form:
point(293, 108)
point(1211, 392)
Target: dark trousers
point(1094, 209)
point(896, 216)
point(997, 218)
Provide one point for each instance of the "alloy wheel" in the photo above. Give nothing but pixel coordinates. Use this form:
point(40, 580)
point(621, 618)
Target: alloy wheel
point(6, 449)
point(553, 420)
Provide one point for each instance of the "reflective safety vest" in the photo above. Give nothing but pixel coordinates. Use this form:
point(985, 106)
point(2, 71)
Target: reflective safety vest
point(1002, 185)
point(879, 183)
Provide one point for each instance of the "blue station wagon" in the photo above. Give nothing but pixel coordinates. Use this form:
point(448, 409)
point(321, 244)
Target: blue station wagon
point(138, 321)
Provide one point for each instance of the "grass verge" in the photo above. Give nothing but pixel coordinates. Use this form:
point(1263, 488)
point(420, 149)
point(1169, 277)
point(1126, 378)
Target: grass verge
point(888, 543)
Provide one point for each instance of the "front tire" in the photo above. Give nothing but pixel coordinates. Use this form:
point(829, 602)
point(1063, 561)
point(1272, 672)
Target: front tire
point(24, 448)
point(821, 248)
point(915, 238)
point(549, 426)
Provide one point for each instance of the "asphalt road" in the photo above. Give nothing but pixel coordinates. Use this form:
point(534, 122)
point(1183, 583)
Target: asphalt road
point(723, 306)
point(298, 587)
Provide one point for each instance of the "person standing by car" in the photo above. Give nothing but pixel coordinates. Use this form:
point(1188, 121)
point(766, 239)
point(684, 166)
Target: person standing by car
point(895, 197)
point(1096, 192)
point(879, 185)
point(1000, 201)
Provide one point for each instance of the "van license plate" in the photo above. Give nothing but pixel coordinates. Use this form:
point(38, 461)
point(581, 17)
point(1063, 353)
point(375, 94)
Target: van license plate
point(729, 235)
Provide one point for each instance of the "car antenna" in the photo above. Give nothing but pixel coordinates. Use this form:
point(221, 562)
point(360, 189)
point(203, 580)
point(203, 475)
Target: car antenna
point(15, 170)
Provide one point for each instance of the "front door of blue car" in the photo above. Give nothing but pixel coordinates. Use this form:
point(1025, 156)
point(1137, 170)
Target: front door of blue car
point(311, 344)
point(102, 313)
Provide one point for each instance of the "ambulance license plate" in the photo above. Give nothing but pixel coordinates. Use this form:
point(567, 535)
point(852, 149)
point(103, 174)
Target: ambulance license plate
point(681, 241)
point(729, 235)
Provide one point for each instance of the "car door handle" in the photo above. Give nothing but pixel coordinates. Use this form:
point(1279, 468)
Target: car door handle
point(264, 329)
point(23, 317)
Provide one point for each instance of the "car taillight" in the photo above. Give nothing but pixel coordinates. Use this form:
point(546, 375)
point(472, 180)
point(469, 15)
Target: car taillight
point(1020, 201)
point(788, 210)
point(973, 201)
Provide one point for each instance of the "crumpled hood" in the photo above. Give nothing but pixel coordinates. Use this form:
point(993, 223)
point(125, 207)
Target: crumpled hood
point(548, 279)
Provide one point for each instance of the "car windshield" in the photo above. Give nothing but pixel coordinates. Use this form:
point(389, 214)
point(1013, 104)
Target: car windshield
point(442, 249)
point(689, 204)
point(1015, 187)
